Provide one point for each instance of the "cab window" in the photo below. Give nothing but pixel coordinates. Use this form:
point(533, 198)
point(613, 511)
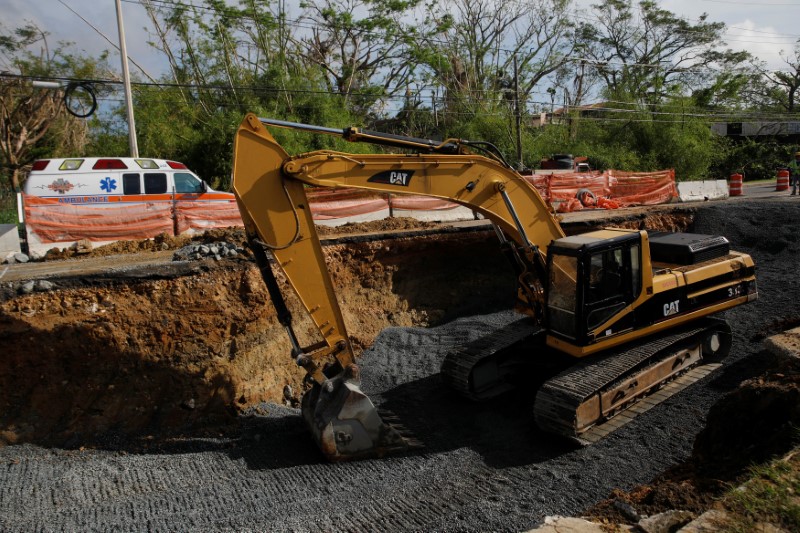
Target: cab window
point(155, 183)
point(609, 286)
point(187, 183)
point(131, 184)
point(562, 294)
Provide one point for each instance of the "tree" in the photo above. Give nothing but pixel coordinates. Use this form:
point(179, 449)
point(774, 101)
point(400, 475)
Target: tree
point(361, 47)
point(471, 46)
point(33, 122)
point(648, 53)
point(783, 85)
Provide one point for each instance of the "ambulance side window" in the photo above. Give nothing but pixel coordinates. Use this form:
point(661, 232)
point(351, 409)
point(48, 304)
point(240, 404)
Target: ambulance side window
point(131, 184)
point(187, 183)
point(155, 183)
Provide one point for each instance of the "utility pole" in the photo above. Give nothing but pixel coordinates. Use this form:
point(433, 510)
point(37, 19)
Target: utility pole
point(126, 80)
point(517, 114)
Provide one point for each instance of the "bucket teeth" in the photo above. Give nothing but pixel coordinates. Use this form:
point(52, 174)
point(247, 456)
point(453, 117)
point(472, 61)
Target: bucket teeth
point(392, 420)
point(345, 423)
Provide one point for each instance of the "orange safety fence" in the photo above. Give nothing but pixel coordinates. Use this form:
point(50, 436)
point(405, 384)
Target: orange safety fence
point(327, 210)
point(323, 202)
point(200, 216)
point(642, 188)
point(420, 203)
point(52, 221)
point(322, 194)
point(565, 186)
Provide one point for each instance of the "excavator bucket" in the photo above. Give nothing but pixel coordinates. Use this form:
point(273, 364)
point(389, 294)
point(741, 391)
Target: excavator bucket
point(345, 423)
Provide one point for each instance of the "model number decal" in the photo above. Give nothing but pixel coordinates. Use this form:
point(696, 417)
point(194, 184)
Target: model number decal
point(393, 177)
point(734, 292)
point(671, 308)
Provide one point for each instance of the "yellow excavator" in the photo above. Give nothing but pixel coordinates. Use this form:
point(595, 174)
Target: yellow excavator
point(629, 311)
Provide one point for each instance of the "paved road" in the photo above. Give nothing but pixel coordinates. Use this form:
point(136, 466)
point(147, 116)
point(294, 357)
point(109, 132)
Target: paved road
point(761, 190)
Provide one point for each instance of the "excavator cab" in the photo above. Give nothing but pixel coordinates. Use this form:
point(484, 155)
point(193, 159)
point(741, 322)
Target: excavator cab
point(592, 278)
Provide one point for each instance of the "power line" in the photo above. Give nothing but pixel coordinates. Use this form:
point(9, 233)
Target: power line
point(298, 23)
point(418, 97)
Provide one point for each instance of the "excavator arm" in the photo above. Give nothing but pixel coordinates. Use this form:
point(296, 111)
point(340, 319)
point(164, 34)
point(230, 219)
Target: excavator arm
point(270, 189)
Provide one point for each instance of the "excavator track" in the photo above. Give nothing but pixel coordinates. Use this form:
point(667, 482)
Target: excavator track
point(593, 398)
point(476, 370)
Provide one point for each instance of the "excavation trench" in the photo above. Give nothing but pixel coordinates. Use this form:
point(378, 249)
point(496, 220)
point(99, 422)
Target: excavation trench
point(176, 348)
point(171, 378)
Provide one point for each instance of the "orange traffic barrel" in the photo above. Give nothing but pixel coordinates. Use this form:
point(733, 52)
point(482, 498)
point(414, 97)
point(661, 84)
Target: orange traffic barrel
point(783, 181)
point(735, 186)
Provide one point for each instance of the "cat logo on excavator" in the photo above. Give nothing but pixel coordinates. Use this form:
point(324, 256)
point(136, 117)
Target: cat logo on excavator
point(393, 177)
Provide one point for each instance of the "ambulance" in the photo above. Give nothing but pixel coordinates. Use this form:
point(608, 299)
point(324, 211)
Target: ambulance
point(110, 180)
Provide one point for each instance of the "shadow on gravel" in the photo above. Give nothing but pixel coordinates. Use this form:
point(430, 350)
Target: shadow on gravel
point(280, 440)
point(731, 375)
point(502, 430)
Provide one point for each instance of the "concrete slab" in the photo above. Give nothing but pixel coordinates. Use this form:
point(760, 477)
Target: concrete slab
point(786, 344)
point(9, 240)
point(701, 191)
point(563, 524)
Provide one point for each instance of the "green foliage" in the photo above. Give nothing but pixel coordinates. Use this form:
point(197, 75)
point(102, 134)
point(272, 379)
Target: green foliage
point(8, 206)
point(754, 159)
point(648, 138)
point(226, 61)
point(769, 496)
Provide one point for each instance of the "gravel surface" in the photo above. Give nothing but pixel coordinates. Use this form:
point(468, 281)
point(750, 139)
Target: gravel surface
point(484, 467)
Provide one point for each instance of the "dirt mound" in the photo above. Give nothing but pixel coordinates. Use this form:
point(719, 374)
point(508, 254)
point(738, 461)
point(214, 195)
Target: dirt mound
point(754, 423)
point(387, 224)
point(233, 235)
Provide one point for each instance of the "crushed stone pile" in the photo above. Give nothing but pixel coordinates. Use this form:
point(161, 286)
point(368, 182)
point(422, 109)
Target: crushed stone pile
point(214, 250)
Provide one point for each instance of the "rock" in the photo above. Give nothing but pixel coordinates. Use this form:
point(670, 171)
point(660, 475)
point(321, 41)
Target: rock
point(83, 246)
point(665, 522)
point(188, 404)
point(36, 256)
point(708, 522)
point(627, 510)
point(27, 287)
point(19, 257)
point(785, 344)
point(216, 251)
point(44, 285)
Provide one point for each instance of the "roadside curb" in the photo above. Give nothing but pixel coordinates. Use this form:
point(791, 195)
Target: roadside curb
point(785, 344)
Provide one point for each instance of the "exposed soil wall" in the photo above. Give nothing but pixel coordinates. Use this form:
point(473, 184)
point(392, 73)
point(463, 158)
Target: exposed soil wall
point(191, 350)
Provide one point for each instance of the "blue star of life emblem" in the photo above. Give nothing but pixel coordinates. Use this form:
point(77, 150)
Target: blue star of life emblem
point(107, 184)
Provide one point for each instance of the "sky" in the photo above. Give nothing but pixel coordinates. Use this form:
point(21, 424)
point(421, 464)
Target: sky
point(762, 28)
